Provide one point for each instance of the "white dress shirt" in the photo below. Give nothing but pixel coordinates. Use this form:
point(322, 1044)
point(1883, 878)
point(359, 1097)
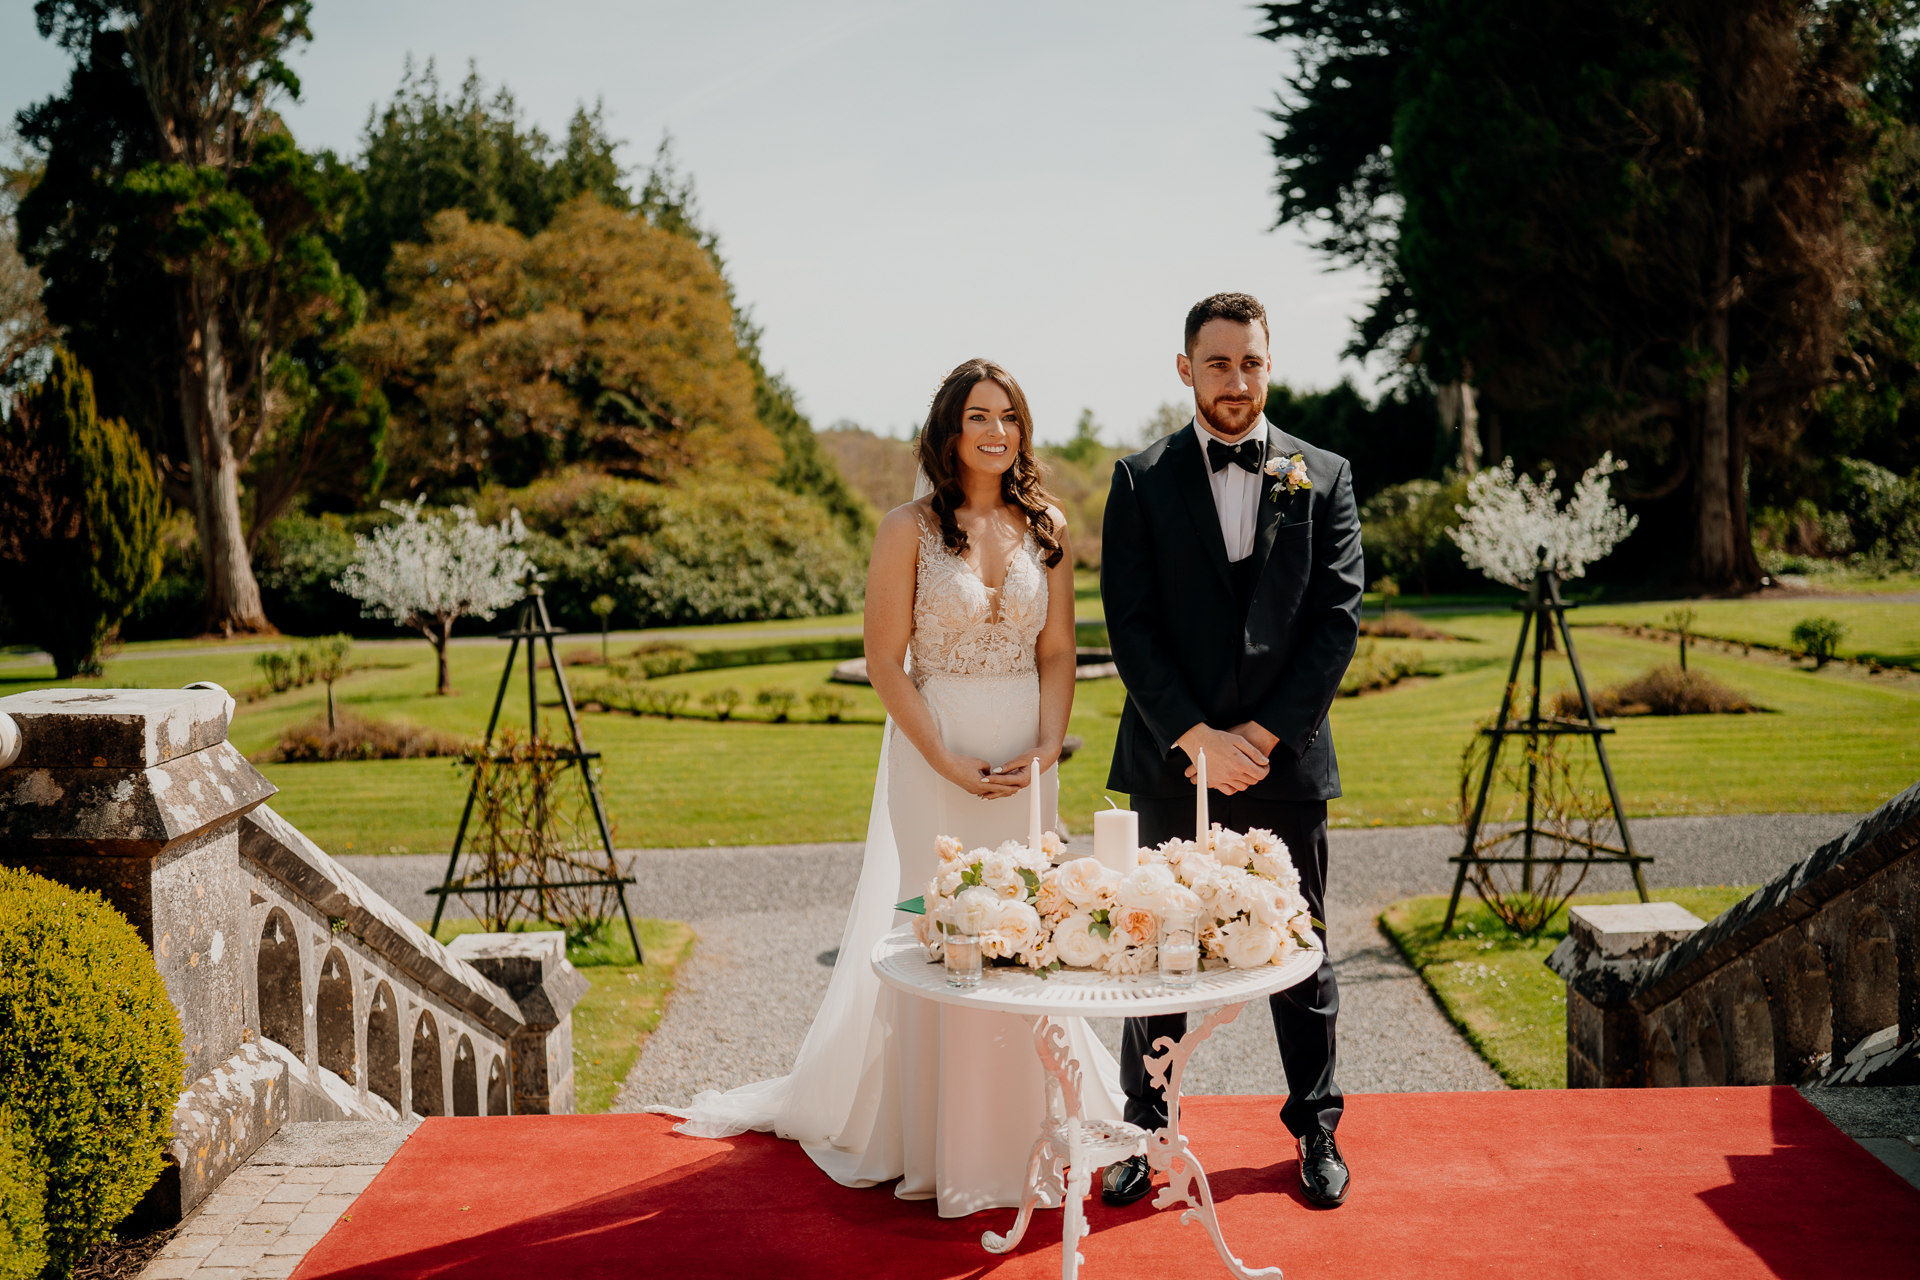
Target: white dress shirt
point(1236, 493)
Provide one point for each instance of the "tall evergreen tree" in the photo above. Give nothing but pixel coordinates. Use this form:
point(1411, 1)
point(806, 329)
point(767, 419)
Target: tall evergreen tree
point(173, 190)
point(1633, 224)
point(426, 151)
point(80, 513)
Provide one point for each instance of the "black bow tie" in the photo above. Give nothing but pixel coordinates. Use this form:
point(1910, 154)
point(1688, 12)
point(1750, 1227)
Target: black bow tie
point(1245, 454)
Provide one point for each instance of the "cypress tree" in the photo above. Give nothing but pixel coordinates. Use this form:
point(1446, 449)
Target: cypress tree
point(80, 518)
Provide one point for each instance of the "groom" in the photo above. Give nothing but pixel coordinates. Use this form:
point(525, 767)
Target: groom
point(1232, 576)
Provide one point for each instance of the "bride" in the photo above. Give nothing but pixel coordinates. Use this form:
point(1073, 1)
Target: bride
point(970, 644)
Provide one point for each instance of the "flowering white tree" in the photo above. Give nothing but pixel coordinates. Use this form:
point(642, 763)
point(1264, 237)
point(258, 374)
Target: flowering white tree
point(1508, 518)
point(434, 567)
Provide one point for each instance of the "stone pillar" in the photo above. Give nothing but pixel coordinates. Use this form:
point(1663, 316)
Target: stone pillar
point(535, 971)
point(137, 794)
point(1604, 952)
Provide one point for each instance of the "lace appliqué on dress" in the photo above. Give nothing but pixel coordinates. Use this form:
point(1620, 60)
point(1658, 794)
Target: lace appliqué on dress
point(963, 627)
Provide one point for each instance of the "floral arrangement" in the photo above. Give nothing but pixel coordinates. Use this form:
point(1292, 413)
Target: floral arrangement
point(1242, 888)
point(1508, 517)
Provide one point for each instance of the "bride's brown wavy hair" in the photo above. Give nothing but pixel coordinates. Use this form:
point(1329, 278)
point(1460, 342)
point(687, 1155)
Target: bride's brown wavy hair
point(1020, 485)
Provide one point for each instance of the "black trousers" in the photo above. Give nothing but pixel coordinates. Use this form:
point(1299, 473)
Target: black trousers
point(1303, 1015)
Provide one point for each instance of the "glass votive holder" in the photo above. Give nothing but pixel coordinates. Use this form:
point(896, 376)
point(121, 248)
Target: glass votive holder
point(1179, 949)
point(963, 958)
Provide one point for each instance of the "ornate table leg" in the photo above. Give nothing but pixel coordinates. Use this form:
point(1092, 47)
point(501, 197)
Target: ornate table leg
point(1167, 1150)
point(1044, 1166)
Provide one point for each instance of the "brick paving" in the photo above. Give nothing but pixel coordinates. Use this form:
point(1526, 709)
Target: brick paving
point(262, 1220)
point(260, 1223)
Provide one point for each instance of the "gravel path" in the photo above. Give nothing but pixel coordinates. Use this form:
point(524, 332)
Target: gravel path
point(744, 1000)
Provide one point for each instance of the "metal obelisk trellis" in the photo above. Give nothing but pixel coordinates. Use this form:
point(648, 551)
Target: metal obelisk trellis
point(1542, 608)
point(536, 625)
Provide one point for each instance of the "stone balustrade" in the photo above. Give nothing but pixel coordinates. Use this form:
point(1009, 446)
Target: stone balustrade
point(1812, 977)
point(302, 994)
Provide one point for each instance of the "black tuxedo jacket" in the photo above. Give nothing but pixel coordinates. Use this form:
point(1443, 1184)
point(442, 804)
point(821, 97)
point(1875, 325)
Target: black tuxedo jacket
point(1175, 624)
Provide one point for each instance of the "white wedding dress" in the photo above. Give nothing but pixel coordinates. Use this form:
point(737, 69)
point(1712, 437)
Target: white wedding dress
point(887, 1085)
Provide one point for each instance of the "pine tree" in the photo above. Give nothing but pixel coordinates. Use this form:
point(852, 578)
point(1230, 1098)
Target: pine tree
point(80, 518)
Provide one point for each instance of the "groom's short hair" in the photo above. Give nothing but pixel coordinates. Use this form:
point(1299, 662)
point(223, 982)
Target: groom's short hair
point(1242, 308)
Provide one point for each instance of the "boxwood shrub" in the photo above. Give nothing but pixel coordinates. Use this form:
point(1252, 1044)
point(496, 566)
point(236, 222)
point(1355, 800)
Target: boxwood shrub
point(23, 1228)
point(90, 1057)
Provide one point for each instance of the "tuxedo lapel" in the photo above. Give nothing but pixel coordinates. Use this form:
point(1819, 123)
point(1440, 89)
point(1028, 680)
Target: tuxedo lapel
point(1190, 478)
point(1268, 519)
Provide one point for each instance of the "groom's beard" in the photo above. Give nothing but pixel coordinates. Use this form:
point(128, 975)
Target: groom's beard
point(1232, 417)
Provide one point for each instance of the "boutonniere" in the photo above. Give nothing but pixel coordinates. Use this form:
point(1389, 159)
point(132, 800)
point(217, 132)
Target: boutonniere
point(1289, 473)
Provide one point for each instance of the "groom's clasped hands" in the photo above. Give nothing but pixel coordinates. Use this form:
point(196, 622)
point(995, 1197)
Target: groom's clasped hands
point(1236, 757)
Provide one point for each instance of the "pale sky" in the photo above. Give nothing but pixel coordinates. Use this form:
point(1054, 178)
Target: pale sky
point(901, 185)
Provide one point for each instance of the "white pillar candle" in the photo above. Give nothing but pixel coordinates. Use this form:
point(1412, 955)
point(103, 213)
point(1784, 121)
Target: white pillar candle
point(1116, 839)
point(1200, 799)
point(1033, 807)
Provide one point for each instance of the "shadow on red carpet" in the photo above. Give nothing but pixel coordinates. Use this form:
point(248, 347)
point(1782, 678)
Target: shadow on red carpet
point(1679, 1183)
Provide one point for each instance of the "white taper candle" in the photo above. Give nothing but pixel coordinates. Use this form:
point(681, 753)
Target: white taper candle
point(1033, 807)
point(1200, 799)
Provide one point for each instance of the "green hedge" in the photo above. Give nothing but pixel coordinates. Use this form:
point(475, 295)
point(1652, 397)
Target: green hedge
point(90, 1057)
point(838, 650)
point(23, 1227)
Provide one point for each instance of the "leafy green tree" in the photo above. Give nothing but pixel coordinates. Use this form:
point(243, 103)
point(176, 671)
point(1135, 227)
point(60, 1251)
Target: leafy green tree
point(80, 513)
point(426, 151)
point(1085, 449)
point(1633, 223)
point(1405, 524)
point(603, 339)
point(173, 190)
point(668, 201)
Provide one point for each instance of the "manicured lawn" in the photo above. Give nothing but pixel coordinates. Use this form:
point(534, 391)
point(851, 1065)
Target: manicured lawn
point(623, 1006)
point(1497, 988)
point(1886, 632)
point(1832, 741)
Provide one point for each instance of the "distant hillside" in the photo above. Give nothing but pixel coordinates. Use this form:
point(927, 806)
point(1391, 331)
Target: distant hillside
point(879, 468)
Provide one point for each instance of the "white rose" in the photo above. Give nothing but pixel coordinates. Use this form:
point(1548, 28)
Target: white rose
point(1080, 880)
point(1266, 903)
point(1180, 900)
point(1041, 953)
point(1128, 960)
point(975, 910)
point(1230, 847)
point(998, 871)
point(948, 883)
point(1049, 899)
point(927, 932)
point(1236, 892)
point(948, 848)
point(1076, 945)
point(1136, 926)
point(1250, 944)
point(1144, 885)
point(1050, 845)
point(1018, 926)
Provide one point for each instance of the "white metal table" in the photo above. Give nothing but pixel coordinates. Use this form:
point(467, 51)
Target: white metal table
point(1068, 1140)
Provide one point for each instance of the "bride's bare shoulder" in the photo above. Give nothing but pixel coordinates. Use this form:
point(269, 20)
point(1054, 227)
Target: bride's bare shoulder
point(908, 519)
point(900, 528)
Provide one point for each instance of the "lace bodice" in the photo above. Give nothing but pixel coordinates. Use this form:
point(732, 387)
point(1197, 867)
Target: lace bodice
point(963, 627)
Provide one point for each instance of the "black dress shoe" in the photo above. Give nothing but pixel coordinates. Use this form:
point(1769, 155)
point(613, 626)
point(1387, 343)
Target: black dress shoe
point(1323, 1170)
point(1126, 1180)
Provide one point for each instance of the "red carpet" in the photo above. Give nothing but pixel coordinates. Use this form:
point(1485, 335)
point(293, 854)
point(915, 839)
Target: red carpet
point(1650, 1184)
